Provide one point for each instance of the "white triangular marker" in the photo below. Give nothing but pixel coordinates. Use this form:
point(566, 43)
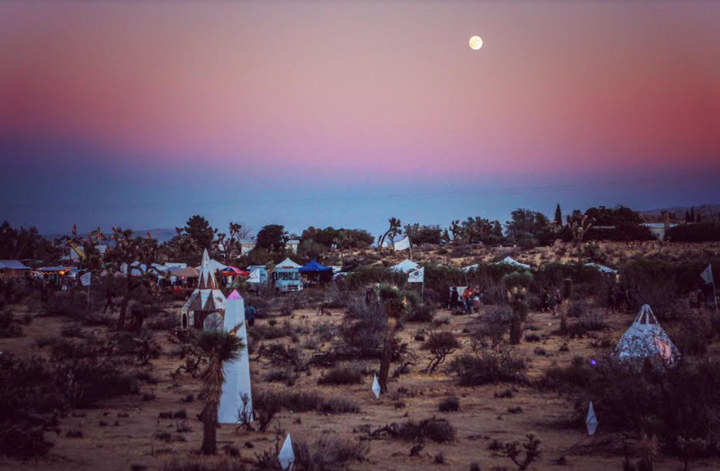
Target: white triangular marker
point(376, 387)
point(287, 456)
point(591, 421)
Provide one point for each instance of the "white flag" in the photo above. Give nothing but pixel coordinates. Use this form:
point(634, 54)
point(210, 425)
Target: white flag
point(403, 244)
point(254, 276)
point(86, 279)
point(707, 275)
point(376, 387)
point(591, 421)
point(287, 456)
point(417, 276)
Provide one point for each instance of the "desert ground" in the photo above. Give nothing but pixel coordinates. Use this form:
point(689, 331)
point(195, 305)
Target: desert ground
point(160, 424)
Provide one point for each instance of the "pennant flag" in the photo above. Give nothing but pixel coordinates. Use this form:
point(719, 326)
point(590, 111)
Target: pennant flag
point(417, 276)
point(74, 229)
point(403, 244)
point(376, 387)
point(591, 421)
point(86, 279)
point(286, 456)
point(707, 275)
point(254, 276)
point(148, 236)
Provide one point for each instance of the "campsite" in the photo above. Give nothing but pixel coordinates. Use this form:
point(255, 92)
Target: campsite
point(595, 381)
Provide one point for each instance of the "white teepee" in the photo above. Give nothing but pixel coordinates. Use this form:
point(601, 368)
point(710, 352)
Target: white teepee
point(236, 396)
point(645, 340)
point(287, 456)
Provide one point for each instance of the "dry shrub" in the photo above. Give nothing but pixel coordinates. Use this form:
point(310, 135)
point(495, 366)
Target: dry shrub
point(341, 376)
point(449, 404)
point(489, 367)
point(440, 344)
point(330, 452)
point(205, 465)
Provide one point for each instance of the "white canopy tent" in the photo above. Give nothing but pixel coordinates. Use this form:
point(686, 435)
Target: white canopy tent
point(511, 261)
point(214, 265)
point(406, 266)
point(287, 263)
point(470, 268)
point(645, 340)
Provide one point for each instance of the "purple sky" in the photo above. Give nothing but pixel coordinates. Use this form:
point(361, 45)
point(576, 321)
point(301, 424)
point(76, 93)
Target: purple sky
point(345, 113)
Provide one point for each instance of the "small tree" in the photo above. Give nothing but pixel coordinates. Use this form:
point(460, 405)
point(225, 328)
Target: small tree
point(396, 304)
point(516, 287)
point(394, 230)
point(219, 347)
point(440, 344)
point(532, 451)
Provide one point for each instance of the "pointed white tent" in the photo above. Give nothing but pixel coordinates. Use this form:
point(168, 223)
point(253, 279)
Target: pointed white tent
point(645, 340)
point(376, 387)
point(511, 261)
point(591, 421)
point(287, 263)
point(207, 299)
point(287, 456)
point(236, 388)
point(406, 266)
point(602, 268)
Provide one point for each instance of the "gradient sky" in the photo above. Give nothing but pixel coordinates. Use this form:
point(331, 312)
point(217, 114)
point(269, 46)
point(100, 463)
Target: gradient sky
point(345, 113)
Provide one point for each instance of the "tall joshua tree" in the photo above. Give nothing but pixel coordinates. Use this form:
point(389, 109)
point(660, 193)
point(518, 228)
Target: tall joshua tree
point(218, 347)
point(580, 228)
point(394, 230)
point(516, 288)
point(396, 304)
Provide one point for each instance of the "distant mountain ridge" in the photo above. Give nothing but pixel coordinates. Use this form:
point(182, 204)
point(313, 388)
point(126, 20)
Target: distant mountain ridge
point(159, 234)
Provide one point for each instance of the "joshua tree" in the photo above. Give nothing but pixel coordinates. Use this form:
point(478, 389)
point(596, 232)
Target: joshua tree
point(567, 289)
point(394, 230)
point(396, 303)
point(218, 347)
point(516, 286)
point(580, 228)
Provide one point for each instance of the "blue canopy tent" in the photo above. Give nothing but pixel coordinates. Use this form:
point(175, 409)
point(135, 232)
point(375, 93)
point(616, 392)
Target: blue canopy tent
point(316, 273)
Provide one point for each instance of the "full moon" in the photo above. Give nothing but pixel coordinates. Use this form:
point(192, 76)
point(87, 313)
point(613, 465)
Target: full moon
point(475, 43)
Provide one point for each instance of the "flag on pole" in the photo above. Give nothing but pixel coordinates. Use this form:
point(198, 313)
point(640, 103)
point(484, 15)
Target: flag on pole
point(86, 279)
point(707, 275)
point(417, 276)
point(591, 421)
point(254, 276)
point(403, 244)
point(376, 387)
point(287, 456)
point(74, 229)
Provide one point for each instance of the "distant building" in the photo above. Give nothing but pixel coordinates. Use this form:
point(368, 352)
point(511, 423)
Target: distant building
point(292, 245)
point(246, 245)
point(12, 269)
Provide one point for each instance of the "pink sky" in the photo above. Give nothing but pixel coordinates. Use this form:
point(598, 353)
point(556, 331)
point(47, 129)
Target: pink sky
point(347, 91)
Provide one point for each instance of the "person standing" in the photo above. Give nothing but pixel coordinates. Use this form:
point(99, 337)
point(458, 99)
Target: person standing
point(250, 315)
point(558, 301)
point(454, 297)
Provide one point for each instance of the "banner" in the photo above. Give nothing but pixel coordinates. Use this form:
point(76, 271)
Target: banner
point(254, 276)
point(417, 276)
point(86, 279)
point(403, 244)
point(707, 275)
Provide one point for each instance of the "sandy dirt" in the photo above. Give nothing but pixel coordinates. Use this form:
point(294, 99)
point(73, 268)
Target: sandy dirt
point(121, 432)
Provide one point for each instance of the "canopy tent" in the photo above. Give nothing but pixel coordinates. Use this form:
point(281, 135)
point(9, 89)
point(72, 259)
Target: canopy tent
point(602, 268)
point(645, 340)
point(234, 271)
point(511, 261)
point(287, 263)
point(12, 265)
point(187, 272)
point(314, 267)
point(205, 302)
point(470, 268)
point(406, 266)
point(316, 272)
